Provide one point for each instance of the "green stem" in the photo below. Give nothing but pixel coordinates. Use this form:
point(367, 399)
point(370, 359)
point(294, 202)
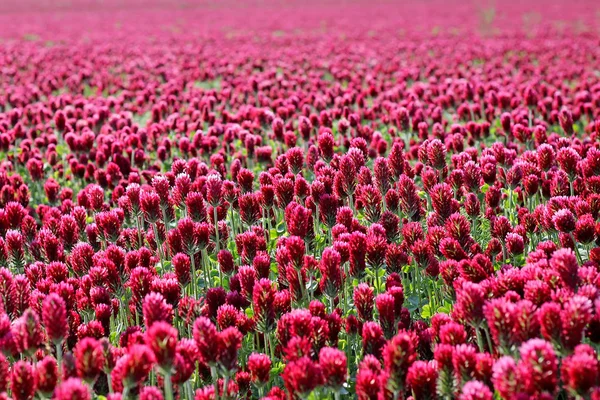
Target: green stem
point(233, 228)
point(344, 291)
point(270, 344)
point(158, 244)
point(220, 274)
point(512, 206)
point(301, 284)
point(168, 387)
point(576, 248)
point(225, 383)
point(215, 378)
point(109, 380)
point(216, 227)
point(139, 231)
point(189, 390)
point(571, 187)
point(488, 339)
point(316, 220)
point(479, 340)
point(59, 355)
point(206, 267)
point(166, 223)
point(430, 298)
point(193, 280)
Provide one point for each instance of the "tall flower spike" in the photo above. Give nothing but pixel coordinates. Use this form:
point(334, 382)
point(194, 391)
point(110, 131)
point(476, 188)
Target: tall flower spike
point(73, 389)
point(259, 366)
point(89, 358)
point(161, 337)
point(23, 384)
point(333, 364)
point(47, 374)
point(422, 377)
point(302, 376)
point(54, 316)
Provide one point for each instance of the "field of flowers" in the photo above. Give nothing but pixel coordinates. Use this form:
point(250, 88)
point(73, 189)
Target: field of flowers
point(299, 200)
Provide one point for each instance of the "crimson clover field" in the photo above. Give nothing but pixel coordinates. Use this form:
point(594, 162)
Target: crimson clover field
point(276, 200)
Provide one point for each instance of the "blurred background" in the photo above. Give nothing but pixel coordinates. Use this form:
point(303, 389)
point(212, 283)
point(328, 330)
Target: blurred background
point(75, 20)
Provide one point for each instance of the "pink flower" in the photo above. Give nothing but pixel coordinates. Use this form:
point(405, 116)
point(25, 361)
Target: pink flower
point(333, 365)
point(47, 374)
point(385, 303)
point(564, 221)
point(302, 376)
point(4, 373)
point(229, 341)
point(263, 297)
point(23, 381)
point(453, 333)
point(575, 316)
point(421, 378)
point(506, 378)
point(538, 368)
point(89, 357)
point(515, 244)
point(133, 368)
point(54, 316)
point(161, 337)
point(155, 308)
point(372, 338)
point(205, 336)
point(331, 273)
point(72, 388)
point(363, 300)
point(579, 371)
point(398, 355)
point(27, 332)
point(259, 366)
point(475, 390)
point(367, 378)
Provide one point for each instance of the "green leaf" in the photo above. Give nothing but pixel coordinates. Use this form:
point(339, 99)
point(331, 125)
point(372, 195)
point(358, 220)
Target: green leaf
point(277, 369)
point(426, 312)
point(413, 302)
point(231, 247)
point(446, 308)
point(61, 149)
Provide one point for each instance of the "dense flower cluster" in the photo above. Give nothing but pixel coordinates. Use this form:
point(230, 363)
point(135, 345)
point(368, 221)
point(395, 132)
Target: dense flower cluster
point(294, 204)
